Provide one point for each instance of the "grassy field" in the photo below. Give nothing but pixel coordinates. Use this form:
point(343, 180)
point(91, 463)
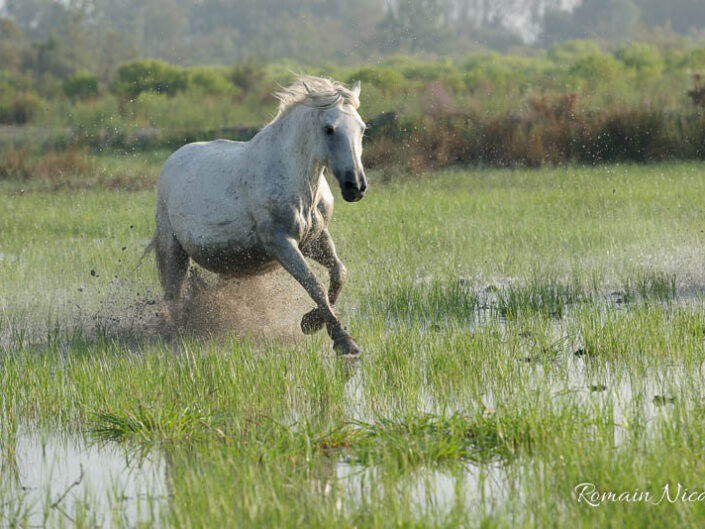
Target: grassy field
point(524, 332)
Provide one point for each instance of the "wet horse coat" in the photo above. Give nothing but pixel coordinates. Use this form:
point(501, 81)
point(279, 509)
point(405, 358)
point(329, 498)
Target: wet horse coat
point(244, 208)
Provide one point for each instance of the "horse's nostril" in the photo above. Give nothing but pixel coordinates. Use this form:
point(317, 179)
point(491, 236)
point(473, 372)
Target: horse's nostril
point(363, 187)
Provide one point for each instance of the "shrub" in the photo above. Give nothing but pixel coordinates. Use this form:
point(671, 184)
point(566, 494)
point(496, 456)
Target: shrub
point(248, 76)
point(81, 85)
point(210, 80)
point(642, 57)
point(595, 69)
point(697, 94)
point(448, 75)
point(21, 109)
point(385, 78)
point(573, 50)
point(694, 59)
point(149, 75)
point(492, 72)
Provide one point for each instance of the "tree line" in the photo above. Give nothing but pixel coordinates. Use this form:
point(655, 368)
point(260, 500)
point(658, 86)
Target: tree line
point(61, 36)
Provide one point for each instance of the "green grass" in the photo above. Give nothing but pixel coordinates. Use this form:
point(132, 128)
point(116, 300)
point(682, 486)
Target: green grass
point(523, 332)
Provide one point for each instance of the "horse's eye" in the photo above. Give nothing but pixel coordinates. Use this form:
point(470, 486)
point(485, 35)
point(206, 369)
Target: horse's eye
point(329, 130)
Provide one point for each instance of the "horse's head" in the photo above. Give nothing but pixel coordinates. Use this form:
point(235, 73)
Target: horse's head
point(337, 131)
point(340, 131)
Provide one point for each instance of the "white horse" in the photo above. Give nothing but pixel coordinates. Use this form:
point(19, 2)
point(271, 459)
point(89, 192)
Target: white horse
point(243, 208)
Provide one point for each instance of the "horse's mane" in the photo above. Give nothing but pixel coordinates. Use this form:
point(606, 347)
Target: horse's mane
point(314, 92)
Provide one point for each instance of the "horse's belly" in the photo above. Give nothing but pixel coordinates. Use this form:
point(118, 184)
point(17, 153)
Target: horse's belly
point(233, 261)
point(221, 239)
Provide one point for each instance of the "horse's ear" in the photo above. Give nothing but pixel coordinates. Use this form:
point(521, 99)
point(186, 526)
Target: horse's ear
point(308, 88)
point(356, 89)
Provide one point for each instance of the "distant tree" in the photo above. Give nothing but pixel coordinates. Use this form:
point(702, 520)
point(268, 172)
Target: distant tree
point(558, 26)
point(11, 43)
point(681, 15)
point(100, 34)
point(113, 48)
point(37, 18)
point(606, 20)
point(413, 25)
point(49, 56)
point(301, 29)
point(57, 37)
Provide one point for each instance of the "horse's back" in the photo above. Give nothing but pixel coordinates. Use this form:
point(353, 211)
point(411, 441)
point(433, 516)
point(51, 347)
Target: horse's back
point(198, 158)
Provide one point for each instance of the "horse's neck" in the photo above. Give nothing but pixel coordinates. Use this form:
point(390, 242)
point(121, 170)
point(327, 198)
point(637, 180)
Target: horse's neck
point(292, 134)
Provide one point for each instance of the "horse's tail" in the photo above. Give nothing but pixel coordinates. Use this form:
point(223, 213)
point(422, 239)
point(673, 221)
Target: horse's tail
point(150, 248)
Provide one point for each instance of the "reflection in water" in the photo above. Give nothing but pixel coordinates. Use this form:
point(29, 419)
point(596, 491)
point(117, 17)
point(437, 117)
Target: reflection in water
point(433, 492)
point(56, 479)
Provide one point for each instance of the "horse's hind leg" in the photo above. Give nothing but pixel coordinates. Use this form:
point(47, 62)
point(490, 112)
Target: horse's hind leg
point(172, 264)
point(322, 250)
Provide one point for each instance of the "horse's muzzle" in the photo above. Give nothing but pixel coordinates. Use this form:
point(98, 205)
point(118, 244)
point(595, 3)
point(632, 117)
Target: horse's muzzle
point(353, 196)
point(353, 188)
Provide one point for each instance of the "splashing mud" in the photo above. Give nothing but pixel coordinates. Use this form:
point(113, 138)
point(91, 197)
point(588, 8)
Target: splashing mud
point(269, 305)
point(265, 307)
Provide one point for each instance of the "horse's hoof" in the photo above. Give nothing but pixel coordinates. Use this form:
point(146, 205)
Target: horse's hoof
point(347, 347)
point(312, 322)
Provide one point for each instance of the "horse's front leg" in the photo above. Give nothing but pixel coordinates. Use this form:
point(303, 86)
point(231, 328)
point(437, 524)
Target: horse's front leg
point(322, 250)
point(285, 249)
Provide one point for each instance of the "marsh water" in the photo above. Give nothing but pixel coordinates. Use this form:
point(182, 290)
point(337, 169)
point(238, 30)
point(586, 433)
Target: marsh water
point(55, 477)
point(62, 477)
point(70, 479)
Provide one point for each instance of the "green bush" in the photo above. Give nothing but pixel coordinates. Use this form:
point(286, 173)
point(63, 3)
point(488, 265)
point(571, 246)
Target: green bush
point(446, 73)
point(211, 80)
point(81, 85)
point(7, 87)
point(644, 58)
point(595, 69)
point(22, 109)
point(572, 103)
point(383, 77)
point(150, 75)
point(502, 75)
point(571, 51)
point(248, 76)
point(694, 59)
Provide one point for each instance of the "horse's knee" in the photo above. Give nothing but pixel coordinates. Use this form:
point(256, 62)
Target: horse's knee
point(313, 321)
point(339, 274)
